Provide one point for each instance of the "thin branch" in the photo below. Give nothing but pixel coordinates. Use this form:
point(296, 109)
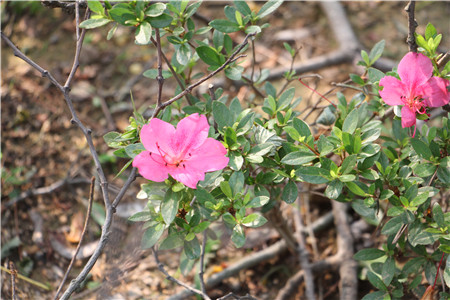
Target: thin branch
point(13, 279)
point(412, 25)
point(253, 61)
point(348, 285)
point(168, 277)
point(86, 222)
point(160, 77)
point(202, 263)
point(303, 253)
point(188, 89)
point(45, 190)
point(29, 280)
point(174, 74)
point(80, 39)
point(130, 179)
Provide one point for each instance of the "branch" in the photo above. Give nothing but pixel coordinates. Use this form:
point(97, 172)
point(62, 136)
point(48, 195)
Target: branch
point(86, 222)
point(188, 90)
point(303, 253)
point(202, 262)
point(412, 25)
point(348, 284)
point(161, 268)
point(103, 182)
point(160, 77)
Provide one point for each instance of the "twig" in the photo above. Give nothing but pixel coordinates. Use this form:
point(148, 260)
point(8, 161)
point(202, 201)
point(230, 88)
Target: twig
point(188, 89)
point(202, 262)
point(161, 268)
point(303, 253)
point(80, 39)
point(253, 61)
point(412, 25)
point(160, 77)
point(234, 296)
point(174, 74)
point(13, 279)
point(33, 282)
point(348, 285)
point(45, 190)
point(86, 222)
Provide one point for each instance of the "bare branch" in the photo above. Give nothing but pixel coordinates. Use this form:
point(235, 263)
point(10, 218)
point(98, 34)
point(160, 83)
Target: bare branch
point(412, 25)
point(202, 262)
point(168, 277)
point(189, 89)
point(13, 279)
point(160, 77)
point(86, 222)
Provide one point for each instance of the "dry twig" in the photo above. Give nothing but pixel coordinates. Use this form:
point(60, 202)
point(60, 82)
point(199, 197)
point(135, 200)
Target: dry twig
point(86, 222)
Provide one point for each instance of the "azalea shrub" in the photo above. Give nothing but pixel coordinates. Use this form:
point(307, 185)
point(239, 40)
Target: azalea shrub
point(212, 160)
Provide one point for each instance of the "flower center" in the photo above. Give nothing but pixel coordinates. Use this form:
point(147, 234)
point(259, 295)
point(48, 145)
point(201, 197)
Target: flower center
point(169, 160)
point(416, 104)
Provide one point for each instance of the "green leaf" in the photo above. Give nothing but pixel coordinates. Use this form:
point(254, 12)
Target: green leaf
point(236, 161)
point(226, 189)
point(142, 216)
point(242, 7)
point(392, 226)
point(96, 6)
point(153, 73)
point(301, 127)
point(134, 149)
point(423, 238)
point(209, 55)
point(155, 10)
point(420, 199)
point(234, 72)
point(161, 21)
point(290, 192)
point(229, 219)
point(192, 248)
point(236, 182)
point(169, 206)
point(425, 169)
point(143, 33)
point(351, 122)
point(224, 26)
point(356, 189)
point(172, 241)
point(376, 281)
point(388, 271)
point(421, 148)
point(365, 57)
point(285, 99)
point(447, 271)
point(293, 133)
point(438, 215)
point(377, 296)
point(376, 52)
point(334, 189)
point(357, 79)
point(430, 31)
point(375, 74)
point(261, 149)
point(201, 227)
point(238, 237)
point(151, 236)
point(348, 164)
point(269, 7)
point(222, 115)
point(254, 220)
point(369, 254)
point(313, 175)
point(258, 202)
point(94, 23)
point(298, 158)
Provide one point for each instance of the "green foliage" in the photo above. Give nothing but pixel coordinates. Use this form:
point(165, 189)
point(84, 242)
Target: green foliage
point(391, 180)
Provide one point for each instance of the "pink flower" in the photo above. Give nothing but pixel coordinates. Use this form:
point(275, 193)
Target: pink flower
point(185, 153)
point(416, 90)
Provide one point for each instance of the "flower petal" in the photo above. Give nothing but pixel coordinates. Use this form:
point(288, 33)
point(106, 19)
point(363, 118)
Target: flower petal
point(408, 117)
point(414, 70)
point(151, 167)
point(435, 92)
point(188, 176)
point(191, 132)
point(209, 157)
point(157, 131)
point(393, 90)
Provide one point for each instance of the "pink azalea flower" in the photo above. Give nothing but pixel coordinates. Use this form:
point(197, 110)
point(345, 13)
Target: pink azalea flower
point(185, 153)
point(416, 90)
